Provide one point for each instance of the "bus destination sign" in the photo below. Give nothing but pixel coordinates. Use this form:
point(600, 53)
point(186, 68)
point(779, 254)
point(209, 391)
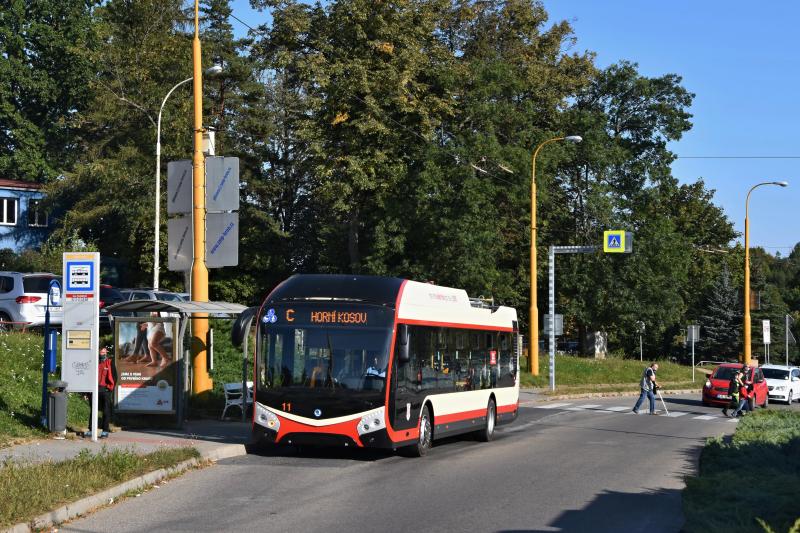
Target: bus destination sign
point(339, 317)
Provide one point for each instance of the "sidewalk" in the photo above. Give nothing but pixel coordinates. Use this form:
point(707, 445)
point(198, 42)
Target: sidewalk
point(214, 440)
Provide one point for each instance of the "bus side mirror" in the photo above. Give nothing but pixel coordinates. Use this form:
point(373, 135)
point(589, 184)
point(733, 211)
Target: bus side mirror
point(402, 334)
point(241, 327)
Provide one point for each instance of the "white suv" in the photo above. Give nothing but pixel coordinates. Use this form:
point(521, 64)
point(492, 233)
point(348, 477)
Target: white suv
point(783, 382)
point(23, 298)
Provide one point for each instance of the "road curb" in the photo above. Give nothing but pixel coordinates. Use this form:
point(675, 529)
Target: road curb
point(106, 497)
point(578, 396)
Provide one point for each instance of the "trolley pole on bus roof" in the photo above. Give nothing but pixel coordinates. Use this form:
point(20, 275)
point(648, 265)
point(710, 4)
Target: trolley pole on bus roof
point(201, 381)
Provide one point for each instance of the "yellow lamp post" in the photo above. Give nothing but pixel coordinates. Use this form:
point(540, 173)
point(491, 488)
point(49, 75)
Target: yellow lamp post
point(202, 381)
point(746, 354)
point(533, 319)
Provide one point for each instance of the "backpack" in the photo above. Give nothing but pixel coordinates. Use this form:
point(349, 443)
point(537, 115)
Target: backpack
point(733, 386)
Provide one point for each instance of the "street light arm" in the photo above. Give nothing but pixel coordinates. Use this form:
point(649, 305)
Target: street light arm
point(164, 102)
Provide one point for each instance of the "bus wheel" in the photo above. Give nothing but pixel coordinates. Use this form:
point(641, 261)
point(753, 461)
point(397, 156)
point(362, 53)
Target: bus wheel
point(425, 435)
point(486, 434)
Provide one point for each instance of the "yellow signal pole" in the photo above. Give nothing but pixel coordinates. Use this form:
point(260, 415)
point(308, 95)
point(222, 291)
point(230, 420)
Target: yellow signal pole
point(533, 318)
point(201, 381)
point(747, 352)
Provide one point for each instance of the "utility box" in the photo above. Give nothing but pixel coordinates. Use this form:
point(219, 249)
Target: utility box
point(57, 406)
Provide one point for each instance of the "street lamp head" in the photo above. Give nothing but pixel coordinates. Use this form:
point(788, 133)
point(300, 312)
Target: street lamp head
point(573, 138)
point(213, 70)
point(781, 183)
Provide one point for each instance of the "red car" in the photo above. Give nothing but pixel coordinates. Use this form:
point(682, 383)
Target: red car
point(715, 391)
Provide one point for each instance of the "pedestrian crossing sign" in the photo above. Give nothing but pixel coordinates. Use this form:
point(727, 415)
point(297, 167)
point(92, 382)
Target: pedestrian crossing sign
point(614, 241)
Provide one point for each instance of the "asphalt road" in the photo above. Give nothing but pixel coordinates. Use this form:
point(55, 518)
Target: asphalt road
point(574, 465)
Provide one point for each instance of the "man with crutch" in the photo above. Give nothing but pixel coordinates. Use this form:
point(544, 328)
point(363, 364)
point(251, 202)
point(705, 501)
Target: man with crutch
point(648, 385)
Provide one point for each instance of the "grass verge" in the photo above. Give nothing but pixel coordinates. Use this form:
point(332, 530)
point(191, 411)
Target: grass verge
point(748, 483)
point(21, 389)
point(33, 489)
point(623, 374)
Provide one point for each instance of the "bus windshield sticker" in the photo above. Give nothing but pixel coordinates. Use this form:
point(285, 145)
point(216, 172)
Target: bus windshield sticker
point(270, 317)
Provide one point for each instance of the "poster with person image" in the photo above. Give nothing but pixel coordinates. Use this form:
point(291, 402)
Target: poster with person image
point(145, 358)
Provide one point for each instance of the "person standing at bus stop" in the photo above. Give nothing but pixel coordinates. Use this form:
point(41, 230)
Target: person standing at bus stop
point(105, 393)
point(648, 384)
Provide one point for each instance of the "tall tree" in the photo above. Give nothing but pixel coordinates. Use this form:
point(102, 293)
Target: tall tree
point(43, 84)
point(721, 321)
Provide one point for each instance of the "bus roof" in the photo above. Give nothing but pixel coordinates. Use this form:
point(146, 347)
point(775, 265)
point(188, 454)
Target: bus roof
point(418, 302)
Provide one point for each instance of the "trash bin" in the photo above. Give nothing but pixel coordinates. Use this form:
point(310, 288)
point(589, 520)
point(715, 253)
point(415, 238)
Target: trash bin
point(57, 406)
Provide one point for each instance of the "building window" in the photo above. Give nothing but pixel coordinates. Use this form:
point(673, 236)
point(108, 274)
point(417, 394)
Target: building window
point(8, 211)
point(37, 217)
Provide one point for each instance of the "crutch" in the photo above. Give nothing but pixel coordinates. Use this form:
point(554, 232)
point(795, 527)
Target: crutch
point(662, 401)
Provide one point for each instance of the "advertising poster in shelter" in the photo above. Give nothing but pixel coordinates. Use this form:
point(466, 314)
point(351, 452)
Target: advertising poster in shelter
point(146, 364)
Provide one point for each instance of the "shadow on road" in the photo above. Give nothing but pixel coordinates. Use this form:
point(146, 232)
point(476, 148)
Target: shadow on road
point(318, 452)
point(611, 511)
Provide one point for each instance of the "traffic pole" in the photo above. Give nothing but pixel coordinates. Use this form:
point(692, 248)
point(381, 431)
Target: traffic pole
point(201, 381)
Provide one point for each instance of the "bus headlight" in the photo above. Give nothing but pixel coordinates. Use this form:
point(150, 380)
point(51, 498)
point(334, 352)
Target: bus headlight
point(372, 421)
point(267, 418)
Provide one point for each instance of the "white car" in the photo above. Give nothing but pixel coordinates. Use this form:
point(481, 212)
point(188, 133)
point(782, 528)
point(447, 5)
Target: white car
point(23, 298)
point(783, 382)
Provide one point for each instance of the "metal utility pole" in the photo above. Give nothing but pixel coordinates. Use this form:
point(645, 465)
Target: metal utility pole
point(201, 381)
point(640, 328)
point(552, 251)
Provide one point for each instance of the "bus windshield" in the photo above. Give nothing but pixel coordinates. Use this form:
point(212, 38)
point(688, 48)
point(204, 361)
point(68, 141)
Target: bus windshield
point(326, 357)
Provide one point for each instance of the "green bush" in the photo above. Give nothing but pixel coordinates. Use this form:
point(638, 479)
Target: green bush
point(748, 477)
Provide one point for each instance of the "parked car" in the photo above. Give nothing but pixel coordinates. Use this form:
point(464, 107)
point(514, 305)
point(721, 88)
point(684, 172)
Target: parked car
point(783, 382)
point(715, 391)
point(108, 296)
point(23, 298)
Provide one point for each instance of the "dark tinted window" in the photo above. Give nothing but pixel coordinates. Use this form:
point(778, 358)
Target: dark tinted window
point(776, 373)
point(37, 283)
point(168, 297)
point(448, 359)
point(724, 372)
point(6, 284)
point(110, 294)
point(140, 296)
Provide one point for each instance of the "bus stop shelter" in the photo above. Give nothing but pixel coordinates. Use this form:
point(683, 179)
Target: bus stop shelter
point(184, 313)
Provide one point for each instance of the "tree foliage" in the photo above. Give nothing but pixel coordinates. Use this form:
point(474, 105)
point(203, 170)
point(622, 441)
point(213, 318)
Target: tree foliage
point(388, 138)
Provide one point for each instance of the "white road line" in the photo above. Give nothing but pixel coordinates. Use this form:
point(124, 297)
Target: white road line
point(705, 417)
point(553, 405)
point(733, 420)
point(676, 414)
point(589, 406)
point(617, 409)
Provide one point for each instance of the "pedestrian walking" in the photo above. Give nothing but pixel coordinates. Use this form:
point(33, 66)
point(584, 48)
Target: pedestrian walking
point(733, 391)
point(648, 385)
point(744, 398)
point(105, 393)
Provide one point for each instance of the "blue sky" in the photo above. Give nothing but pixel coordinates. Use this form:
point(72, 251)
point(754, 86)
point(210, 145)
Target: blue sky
point(740, 60)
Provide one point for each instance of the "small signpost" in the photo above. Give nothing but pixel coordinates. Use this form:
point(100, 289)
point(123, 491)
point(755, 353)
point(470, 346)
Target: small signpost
point(693, 336)
point(765, 326)
point(81, 324)
point(640, 329)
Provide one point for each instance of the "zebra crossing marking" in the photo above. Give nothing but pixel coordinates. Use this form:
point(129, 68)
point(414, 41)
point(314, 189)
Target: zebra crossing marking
point(553, 405)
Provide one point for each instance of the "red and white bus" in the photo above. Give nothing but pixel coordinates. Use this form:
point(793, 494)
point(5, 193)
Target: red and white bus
point(367, 361)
